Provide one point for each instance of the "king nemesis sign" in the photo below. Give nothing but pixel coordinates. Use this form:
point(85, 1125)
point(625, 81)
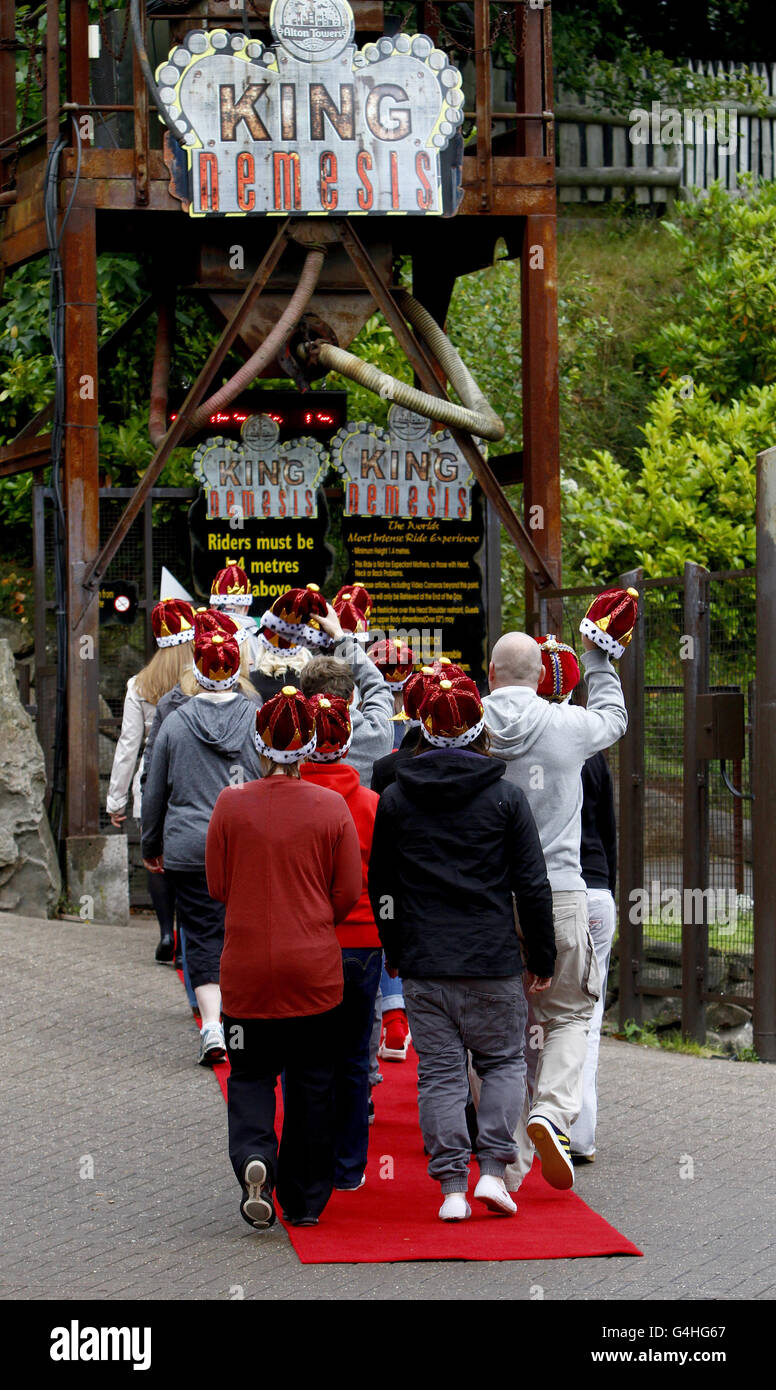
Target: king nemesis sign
point(313, 124)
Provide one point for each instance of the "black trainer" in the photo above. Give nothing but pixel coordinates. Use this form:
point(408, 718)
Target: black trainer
point(257, 1206)
point(165, 950)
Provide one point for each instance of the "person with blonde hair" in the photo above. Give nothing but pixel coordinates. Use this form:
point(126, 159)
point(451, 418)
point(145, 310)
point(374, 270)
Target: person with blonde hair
point(172, 622)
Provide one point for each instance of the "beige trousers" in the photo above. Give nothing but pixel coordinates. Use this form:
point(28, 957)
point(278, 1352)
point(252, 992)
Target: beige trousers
point(556, 1034)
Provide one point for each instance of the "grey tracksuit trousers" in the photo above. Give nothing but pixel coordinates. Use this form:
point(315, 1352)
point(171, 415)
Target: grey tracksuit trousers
point(447, 1016)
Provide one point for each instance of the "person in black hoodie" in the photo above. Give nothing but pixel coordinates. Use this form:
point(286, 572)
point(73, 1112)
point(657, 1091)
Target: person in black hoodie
point(452, 843)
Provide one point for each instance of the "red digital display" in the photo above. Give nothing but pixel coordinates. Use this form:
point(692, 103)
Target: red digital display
point(319, 412)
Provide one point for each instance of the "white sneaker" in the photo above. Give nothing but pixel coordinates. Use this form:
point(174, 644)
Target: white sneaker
point(455, 1207)
point(212, 1045)
point(492, 1191)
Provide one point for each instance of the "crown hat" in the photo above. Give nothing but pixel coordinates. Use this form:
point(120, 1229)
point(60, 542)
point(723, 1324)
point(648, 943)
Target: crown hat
point(216, 656)
point(610, 620)
point(452, 714)
point(394, 662)
point(218, 621)
point(292, 621)
point(353, 605)
point(172, 622)
point(418, 684)
point(333, 728)
point(285, 727)
point(231, 586)
point(560, 669)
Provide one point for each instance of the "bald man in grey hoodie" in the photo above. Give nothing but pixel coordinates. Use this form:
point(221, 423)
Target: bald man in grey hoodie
point(544, 746)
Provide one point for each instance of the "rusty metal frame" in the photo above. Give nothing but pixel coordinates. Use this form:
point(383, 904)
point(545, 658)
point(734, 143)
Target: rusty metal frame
point(632, 789)
point(695, 802)
point(423, 364)
point(178, 428)
point(764, 765)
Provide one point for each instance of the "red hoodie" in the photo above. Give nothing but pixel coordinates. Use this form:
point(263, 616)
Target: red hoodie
point(358, 928)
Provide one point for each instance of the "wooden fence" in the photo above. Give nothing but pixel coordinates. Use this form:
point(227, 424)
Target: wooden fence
point(598, 162)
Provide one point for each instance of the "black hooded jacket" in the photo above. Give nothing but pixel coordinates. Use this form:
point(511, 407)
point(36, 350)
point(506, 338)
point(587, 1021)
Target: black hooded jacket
point(452, 842)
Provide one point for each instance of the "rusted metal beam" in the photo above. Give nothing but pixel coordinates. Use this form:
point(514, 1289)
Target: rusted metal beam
point(140, 97)
point(423, 364)
point(177, 431)
point(541, 423)
point(77, 43)
point(482, 64)
point(52, 71)
point(24, 454)
point(529, 83)
point(7, 76)
point(81, 501)
point(764, 765)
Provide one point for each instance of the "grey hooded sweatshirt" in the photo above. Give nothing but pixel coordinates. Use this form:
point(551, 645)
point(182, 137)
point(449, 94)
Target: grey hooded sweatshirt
point(201, 748)
point(544, 746)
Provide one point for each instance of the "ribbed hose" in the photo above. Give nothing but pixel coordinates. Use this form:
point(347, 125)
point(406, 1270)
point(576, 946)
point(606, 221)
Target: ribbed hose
point(476, 416)
point(271, 345)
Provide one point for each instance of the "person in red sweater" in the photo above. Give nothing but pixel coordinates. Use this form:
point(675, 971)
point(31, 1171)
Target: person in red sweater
point(361, 950)
point(283, 856)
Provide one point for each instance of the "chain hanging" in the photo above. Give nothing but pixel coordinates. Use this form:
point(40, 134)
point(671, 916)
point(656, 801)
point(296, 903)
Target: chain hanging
point(105, 34)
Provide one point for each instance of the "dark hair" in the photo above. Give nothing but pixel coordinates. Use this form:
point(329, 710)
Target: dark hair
point(327, 675)
point(481, 745)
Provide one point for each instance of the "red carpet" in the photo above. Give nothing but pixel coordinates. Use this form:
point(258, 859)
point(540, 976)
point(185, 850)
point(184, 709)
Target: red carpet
point(394, 1215)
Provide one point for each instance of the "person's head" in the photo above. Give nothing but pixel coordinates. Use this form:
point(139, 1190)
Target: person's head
point(293, 621)
point(285, 732)
point(231, 590)
point(333, 729)
point(327, 675)
point(560, 670)
point(210, 624)
point(452, 716)
point(172, 623)
point(516, 660)
point(353, 605)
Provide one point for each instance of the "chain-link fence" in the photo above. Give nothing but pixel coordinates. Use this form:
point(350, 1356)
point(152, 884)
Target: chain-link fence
point(678, 887)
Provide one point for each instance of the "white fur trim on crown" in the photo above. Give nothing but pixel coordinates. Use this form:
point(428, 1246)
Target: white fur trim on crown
point(601, 639)
point(397, 685)
point(284, 651)
point(459, 741)
point(412, 723)
point(225, 600)
point(284, 755)
point(315, 637)
point(318, 757)
point(208, 684)
point(175, 639)
point(279, 625)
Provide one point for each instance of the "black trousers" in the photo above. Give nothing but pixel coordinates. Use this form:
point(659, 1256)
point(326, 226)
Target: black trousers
point(202, 919)
point(302, 1169)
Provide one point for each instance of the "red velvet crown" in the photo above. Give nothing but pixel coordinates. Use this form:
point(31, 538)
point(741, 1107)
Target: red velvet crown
point(292, 620)
point(452, 715)
point(394, 662)
point(216, 655)
point(212, 620)
point(353, 605)
point(560, 669)
point(610, 620)
point(285, 727)
point(333, 729)
point(231, 585)
point(416, 688)
point(172, 622)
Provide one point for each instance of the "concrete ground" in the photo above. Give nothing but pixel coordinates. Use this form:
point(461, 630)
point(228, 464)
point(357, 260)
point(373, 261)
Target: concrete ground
point(115, 1180)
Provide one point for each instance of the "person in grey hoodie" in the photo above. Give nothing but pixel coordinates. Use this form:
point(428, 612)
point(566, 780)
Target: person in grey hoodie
point(203, 746)
point(544, 746)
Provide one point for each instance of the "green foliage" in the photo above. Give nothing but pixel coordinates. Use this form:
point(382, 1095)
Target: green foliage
point(723, 331)
point(692, 498)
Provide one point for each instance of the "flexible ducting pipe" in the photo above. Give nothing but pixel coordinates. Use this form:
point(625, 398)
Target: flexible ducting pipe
point(476, 416)
point(272, 344)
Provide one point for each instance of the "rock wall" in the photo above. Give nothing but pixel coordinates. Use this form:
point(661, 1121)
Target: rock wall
point(30, 880)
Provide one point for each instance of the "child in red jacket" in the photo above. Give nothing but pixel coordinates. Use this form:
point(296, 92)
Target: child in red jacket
point(360, 943)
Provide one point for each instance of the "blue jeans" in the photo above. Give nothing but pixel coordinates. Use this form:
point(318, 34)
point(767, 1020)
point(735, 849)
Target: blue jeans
point(392, 992)
point(192, 998)
point(353, 1027)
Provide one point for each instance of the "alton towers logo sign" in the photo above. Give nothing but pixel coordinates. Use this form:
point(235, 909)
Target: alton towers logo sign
point(312, 124)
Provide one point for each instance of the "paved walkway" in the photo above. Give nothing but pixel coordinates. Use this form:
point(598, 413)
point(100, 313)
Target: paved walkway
point(102, 1079)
